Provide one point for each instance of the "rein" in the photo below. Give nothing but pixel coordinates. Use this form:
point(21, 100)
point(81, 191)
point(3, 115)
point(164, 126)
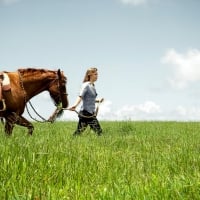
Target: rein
point(85, 116)
point(44, 120)
point(58, 110)
point(25, 101)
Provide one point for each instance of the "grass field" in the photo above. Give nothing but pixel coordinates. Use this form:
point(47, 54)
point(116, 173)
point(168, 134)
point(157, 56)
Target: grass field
point(132, 160)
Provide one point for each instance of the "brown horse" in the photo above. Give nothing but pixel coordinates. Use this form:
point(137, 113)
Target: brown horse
point(25, 84)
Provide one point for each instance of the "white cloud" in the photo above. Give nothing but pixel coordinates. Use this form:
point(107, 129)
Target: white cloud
point(186, 67)
point(145, 111)
point(181, 113)
point(148, 110)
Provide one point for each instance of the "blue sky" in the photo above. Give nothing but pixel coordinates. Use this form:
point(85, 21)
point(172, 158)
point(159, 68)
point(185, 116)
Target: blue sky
point(147, 52)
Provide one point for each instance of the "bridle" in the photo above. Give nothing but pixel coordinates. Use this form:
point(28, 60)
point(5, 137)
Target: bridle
point(59, 85)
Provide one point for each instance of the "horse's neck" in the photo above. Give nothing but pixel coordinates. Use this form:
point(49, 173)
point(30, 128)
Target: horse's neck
point(35, 86)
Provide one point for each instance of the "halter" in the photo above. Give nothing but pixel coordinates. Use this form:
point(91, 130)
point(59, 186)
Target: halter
point(25, 99)
point(58, 85)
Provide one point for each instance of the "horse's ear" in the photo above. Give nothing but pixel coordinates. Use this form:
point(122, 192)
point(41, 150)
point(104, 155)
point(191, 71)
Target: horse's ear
point(59, 73)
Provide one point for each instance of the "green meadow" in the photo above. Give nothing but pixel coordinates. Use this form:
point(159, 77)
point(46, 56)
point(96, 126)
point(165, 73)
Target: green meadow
point(131, 160)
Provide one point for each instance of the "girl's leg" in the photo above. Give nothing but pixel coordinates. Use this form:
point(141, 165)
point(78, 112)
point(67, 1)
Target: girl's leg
point(94, 124)
point(82, 125)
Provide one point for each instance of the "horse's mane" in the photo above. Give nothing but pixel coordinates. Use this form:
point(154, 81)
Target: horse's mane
point(32, 71)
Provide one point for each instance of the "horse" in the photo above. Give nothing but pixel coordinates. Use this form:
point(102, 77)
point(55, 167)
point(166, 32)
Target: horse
point(25, 83)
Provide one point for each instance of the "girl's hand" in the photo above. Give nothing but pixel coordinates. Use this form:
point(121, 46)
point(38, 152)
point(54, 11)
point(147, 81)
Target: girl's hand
point(101, 100)
point(73, 108)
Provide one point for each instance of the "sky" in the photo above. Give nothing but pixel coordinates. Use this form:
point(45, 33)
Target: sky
point(147, 53)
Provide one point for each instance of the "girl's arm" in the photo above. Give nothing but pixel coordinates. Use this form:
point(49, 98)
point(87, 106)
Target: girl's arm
point(77, 102)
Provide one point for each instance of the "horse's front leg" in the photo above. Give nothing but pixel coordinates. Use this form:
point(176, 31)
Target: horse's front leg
point(24, 122)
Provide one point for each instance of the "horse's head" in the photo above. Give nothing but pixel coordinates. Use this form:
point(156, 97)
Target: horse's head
point(58, 91)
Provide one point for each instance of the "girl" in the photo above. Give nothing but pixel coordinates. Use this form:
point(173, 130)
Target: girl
point(87, 95)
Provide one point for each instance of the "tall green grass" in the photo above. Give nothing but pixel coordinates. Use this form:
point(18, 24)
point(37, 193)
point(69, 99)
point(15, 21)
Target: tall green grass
point(132, 160)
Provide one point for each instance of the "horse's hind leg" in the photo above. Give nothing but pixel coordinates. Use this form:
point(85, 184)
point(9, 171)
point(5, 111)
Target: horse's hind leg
point(24, 122)
point(10, 121)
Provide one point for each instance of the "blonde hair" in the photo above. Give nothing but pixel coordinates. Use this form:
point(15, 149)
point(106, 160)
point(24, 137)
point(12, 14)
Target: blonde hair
point(88, 73)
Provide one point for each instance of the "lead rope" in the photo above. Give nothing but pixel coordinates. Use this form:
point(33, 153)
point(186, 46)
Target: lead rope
point(85, 116)
point(53, 117)
point(44, 120)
